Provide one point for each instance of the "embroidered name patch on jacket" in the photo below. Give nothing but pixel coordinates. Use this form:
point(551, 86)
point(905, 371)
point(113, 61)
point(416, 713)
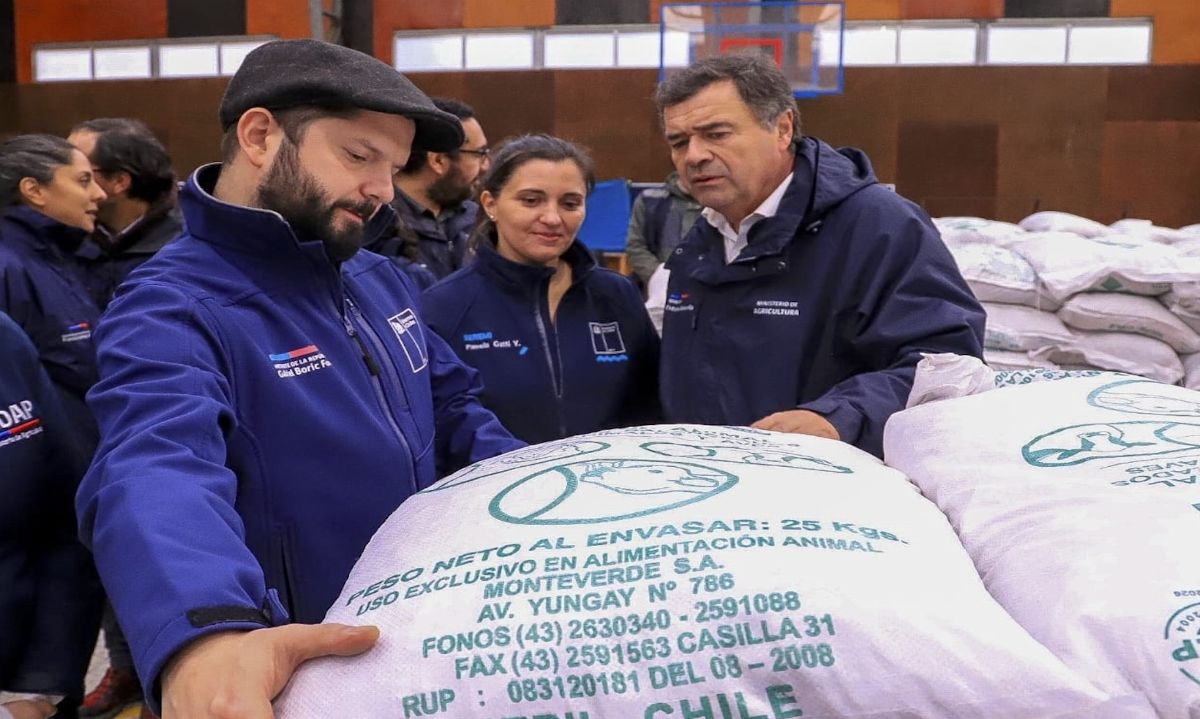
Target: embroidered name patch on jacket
point(300, 361)
point(77, 332)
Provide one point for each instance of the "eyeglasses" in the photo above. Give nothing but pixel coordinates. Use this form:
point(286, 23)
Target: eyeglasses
point(481, 152)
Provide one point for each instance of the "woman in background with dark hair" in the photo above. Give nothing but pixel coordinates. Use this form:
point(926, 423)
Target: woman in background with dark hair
point(49, 200)
point(564, 347)
point(50, 595)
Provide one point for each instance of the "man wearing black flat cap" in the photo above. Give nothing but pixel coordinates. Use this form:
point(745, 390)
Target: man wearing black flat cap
point(268, 394)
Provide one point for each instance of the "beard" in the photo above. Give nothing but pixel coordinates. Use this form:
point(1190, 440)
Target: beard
point(299, 198)
point(451, 189)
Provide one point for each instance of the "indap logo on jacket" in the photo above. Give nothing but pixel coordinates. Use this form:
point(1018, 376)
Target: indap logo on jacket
point(18, 422)
point(682, 571)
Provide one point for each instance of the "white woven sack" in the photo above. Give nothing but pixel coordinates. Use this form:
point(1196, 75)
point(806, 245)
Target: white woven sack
point(1064, 222)
point(676, 571)
point(1017, 328)
point(1188, 311)
point(959, 231)
point(1118, 352)
point(1004, 360)
point(997, 274)
point(1191, 371)
point(1068, 264)
point(1075, 499)
point(1148, 230)
point(1187, 294)
point(1108, 312)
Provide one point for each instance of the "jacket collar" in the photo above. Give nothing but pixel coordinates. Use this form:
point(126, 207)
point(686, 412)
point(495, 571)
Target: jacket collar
point(253, 230)
point(145, 236)
point(41, 232)
point(519, 276)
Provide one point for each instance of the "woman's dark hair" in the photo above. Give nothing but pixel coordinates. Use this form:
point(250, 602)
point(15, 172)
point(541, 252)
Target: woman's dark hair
point(511, 156)
point(36, 156)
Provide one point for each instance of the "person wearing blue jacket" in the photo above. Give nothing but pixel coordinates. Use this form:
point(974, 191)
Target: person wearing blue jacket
point(268, 395)
point(48, 585)
point(49, 199)
point(803, 298)
point(564, 347)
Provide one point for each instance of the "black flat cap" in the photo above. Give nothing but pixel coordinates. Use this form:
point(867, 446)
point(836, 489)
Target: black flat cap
point(292, 73)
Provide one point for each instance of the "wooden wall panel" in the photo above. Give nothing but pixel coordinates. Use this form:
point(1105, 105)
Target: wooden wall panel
point(873, 9)
point(949, 168)
point(182, 113)
point(866, 116)
point(490, 13)
point(1176, 27)
point(1143, 178)
point(1170, 92)
point(39, 21)
point(391, 16)
point(954, 9)
point(285, 18)
point(623, 135)
point(512, 103)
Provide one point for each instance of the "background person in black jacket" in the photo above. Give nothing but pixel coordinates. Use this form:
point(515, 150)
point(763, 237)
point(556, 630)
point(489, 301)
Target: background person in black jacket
point(139, 215)
point(434, 210)
point(564, 347)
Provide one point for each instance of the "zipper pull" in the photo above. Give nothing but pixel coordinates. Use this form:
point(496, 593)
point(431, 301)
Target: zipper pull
point(372, 365)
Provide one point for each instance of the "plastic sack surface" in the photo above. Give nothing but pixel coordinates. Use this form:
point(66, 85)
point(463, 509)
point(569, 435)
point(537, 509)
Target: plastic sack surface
point(682, 571)
point(1079, 501)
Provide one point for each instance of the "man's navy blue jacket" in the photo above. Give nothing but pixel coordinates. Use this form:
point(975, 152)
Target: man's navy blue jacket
point(827, 309)
point(50, 597)
point(593, 367)
point(262, 412)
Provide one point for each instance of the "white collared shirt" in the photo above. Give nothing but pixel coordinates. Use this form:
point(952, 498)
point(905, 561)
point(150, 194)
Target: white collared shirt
point(736, 240)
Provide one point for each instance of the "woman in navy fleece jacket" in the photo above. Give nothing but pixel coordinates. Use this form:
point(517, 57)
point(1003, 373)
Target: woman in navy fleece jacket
point(564, 347)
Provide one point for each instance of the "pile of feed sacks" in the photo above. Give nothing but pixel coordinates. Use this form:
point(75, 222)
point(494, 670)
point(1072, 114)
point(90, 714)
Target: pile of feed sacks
point(1078, 500)
point(684, 571)
point(1063, 291)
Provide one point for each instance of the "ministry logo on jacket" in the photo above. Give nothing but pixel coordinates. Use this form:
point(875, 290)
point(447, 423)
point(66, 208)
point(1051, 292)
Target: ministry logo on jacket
point(300, 361)
point(17, 423)
point(607, 343)
point(77, 332)
point(412, 340)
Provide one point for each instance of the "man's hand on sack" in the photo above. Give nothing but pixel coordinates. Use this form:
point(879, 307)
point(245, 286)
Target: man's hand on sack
point(236, 674)
point(798, 421)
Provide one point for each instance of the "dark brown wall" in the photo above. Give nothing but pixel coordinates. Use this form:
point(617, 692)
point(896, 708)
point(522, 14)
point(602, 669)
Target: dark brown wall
point(38, 21)
point(1001, 142)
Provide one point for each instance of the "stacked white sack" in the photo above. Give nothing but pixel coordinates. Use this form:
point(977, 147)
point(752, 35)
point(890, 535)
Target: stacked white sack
point(997, 274)
point(1145, 229)
point(1067, 264)
point(677, 571)
point(959, 231)
point(1078, 501)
